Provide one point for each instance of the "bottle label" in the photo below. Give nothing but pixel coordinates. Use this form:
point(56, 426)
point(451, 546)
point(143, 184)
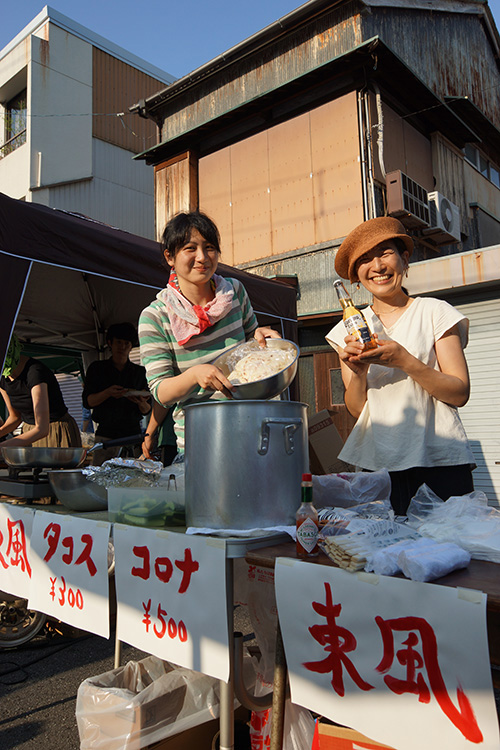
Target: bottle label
point(356, 326)
point(307, 534)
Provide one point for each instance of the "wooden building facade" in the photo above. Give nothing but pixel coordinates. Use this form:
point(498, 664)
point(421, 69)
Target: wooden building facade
point(289, 140)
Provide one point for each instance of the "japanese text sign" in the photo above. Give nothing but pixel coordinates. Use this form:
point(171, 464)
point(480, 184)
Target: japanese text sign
point(405, 663)
point(70, 570)
point(171, 597)
point(16, 568)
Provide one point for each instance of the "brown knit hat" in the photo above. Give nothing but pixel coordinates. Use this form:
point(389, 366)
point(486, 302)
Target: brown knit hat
point(364, 238)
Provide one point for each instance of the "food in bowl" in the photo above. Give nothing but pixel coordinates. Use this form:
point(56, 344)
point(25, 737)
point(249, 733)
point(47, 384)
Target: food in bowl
point(250, 362)
point(266, 386)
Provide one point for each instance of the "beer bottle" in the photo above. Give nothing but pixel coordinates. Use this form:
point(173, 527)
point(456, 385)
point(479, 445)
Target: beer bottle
point(354, 319)
point(307, 522)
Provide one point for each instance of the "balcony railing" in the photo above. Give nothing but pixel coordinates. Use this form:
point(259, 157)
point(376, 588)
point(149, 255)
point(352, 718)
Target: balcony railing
point(17, 140)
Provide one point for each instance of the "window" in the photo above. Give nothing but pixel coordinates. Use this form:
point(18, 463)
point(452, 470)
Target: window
point(482, 164)
point(15, 123)
point(495, 175)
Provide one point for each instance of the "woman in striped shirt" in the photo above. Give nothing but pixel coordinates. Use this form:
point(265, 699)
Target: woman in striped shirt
point(193, 320)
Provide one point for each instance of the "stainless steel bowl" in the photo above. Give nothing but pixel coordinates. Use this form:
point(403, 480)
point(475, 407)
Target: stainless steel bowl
point(267, 387)
point(21, 457)
point(77, 492)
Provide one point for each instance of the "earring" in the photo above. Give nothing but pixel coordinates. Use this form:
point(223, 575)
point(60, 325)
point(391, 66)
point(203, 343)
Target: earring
point(406, 272)
point(357, 286)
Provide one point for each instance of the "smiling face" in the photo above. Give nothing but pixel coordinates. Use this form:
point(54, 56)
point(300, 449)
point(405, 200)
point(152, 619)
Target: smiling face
point(195, 262)
point(381, 270)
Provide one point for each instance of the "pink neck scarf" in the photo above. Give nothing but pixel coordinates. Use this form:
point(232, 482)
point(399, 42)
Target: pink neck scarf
point(189, 320)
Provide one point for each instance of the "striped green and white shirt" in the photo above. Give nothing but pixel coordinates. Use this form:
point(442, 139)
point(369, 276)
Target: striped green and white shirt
point(163, 357)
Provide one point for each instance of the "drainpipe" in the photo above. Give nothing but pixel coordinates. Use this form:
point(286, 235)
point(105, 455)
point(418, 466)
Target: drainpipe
point(361, 130)
point(379, 127)
point(368, 134)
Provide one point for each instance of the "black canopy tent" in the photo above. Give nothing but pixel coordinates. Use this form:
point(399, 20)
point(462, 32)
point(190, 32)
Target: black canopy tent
point(65, 278)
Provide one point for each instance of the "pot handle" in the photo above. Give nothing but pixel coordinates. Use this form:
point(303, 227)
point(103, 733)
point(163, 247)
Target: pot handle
point(290, 426)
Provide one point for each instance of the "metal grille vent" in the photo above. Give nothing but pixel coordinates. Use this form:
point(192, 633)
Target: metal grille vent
point(407, 200)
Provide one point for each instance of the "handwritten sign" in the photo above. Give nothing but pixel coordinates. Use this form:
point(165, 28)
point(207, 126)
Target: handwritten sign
point(171, 597)
point(70, 571)
point(405, 663)
point(16, 568)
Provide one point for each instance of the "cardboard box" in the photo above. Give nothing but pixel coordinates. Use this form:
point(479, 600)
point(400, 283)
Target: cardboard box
point(331, 737)
point(200, 737)
point(325, 445)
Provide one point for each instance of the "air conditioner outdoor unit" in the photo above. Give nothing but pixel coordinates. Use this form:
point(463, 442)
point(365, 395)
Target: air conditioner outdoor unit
point(407, 200)
point(444, 220)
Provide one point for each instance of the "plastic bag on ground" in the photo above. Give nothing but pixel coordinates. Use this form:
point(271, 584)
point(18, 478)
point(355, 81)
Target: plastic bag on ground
point(466, 520)
point(143, 702)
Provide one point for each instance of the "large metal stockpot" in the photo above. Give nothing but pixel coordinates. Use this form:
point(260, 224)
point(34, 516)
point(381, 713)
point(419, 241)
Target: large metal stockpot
point(244, 463)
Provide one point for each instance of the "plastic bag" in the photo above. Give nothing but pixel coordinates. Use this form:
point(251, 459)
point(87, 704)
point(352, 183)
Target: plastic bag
point(420, 559)
point(350, 489)
point(351, 543)
point(466, 520)
point(143, 702)
point(298, 728)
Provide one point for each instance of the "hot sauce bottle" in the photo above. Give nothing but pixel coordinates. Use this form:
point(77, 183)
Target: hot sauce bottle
point(307, 522)
point(354, 320)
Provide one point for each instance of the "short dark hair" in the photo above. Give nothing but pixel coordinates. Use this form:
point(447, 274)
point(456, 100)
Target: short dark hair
point(178, 231)
point(400, 245)
point(125, 331)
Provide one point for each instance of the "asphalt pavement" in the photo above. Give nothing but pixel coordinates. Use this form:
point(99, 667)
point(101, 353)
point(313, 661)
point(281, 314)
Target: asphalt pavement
point(39, 683)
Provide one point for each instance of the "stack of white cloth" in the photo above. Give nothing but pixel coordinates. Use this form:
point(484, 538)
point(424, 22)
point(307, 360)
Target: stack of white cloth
point(420, 560)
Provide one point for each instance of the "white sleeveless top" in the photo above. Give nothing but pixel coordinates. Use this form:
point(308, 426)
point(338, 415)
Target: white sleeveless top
point(402, 426)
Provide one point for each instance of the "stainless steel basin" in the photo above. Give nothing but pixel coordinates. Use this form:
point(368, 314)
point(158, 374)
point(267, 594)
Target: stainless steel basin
point(77, 492)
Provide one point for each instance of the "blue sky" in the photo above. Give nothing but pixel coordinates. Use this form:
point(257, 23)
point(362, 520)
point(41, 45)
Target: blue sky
point(175, 35)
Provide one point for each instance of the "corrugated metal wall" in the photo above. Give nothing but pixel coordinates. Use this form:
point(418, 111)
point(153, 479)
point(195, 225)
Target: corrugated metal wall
point(481, 415)
point(71, 388)
point(295, 185)
point(286, 59)
point(448, 165)
point(121, 192)
point(316, 294)
point(450, 52)
point(116, 86)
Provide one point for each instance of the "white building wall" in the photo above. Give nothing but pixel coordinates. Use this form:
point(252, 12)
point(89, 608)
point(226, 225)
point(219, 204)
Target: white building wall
point(14, 168)
point(14, 172)
point(60, 108)
point(61, 165)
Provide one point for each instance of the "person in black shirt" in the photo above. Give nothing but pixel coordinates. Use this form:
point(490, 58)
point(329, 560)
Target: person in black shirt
point(107, 387)
point(33, 397)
